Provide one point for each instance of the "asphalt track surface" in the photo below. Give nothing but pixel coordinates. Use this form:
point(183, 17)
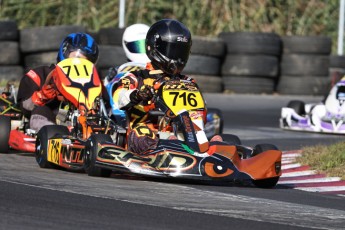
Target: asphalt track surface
point(35, 198)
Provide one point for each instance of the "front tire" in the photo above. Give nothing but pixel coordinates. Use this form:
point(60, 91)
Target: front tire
point(298, 106)
point(5, 127)
point(269, 182)
point(91, 151)
point(46, 132)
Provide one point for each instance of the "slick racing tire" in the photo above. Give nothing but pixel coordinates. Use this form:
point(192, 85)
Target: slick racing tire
point(298, 106)
point(46, 132)
point(91, 150)
point(231, 139)
point(5, 127)
point(269, 182)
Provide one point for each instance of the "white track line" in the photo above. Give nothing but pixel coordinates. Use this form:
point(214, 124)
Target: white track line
point(299, 173)
point(291, 155)
point(291, 166)
point(323, 189)
point(285, 162)
point(314, 180)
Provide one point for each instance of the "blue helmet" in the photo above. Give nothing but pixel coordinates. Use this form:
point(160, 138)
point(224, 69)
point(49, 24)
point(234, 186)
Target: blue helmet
point(79, 41)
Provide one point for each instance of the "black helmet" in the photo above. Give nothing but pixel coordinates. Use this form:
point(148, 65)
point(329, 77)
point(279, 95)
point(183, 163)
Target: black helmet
point(78, 41)
point(168, 44)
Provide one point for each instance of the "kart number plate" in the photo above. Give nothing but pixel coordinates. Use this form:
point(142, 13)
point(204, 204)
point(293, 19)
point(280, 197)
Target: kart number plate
point(180, 100)
point(78, 70)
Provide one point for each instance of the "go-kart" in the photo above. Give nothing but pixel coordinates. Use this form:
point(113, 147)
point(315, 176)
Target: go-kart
point(13, 124)
point(82, 112)
point(179, 111)
point(323, 117)
point(214, 119)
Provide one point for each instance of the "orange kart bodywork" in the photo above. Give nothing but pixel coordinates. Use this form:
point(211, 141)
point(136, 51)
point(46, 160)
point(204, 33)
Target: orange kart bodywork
point(172, 158)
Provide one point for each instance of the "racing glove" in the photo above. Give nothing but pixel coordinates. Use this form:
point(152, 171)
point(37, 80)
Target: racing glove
point(144, 94)
point(46, 94)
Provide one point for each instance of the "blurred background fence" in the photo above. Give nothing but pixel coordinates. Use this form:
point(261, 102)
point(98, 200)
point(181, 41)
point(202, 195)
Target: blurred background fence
point(241, 46)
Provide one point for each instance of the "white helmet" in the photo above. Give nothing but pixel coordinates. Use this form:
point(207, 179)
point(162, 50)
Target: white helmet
point(133, 42)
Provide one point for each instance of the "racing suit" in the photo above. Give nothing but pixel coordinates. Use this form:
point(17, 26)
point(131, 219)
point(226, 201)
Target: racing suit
point(40, 111)
point(141, 139)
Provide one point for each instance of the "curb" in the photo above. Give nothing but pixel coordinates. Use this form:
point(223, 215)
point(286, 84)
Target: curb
point(301, 177)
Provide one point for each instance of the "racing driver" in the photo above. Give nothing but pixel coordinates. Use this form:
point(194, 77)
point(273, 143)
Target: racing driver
point(168, 45)
point(38, 98)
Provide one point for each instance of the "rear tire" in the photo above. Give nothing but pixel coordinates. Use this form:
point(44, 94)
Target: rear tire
point(46, 132)
point(269, 182)
point(91, 151)
point(231, 139)
point(5, 127)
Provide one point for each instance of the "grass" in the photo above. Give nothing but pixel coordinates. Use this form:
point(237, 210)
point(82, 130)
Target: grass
point(325, 159)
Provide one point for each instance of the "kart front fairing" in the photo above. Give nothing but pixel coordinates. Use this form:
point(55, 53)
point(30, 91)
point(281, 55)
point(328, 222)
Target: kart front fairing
point(327, 117)
point(172, 158)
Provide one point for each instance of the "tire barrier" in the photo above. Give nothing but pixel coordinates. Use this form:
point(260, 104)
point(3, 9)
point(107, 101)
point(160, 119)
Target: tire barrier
point(208, 83)
point(307, 45)
point(251, 63)
point(204, 63)
point(111, 53)
point(42, 39)
point(110, 56)
point(11, 73)
point(306, 85)
point(336, 68)
point(39, 44)
point(38, 59)
point(10, 59)
point(9, 31)
point(248, 84)
point(110, 36)
point(10, 54)
point(252, 43)
point(235, 62)
point(305, 65)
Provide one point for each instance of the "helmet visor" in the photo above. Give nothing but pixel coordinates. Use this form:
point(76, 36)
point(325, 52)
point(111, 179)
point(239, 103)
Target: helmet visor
point(136, 46)
point(175, 51)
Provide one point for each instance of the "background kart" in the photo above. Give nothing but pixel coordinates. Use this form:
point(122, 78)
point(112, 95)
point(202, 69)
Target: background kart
point(215, 121)
point(324, 117)
point(191, 156)
point(14, 133)
point(82, 113)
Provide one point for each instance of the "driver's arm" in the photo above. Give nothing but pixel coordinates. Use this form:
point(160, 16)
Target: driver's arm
point(122, 96)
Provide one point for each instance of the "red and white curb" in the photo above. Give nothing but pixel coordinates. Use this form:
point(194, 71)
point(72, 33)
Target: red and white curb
point(303, 178)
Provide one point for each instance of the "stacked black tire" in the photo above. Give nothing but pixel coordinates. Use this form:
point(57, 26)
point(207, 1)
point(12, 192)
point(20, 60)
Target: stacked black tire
point(111, 53)
point(40, 45)
point(336, 68)
point(305, 65)
point(251, 64)
point(10, 58)
point(204, 63)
